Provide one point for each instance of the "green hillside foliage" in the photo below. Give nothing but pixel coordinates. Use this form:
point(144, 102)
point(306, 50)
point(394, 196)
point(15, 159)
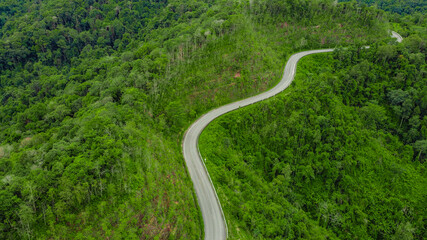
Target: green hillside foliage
point(402, 7)
point(340, 154)
point(407, 16)
point(95, 97)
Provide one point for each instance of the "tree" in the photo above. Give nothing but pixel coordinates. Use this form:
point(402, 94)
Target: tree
point(421, 147)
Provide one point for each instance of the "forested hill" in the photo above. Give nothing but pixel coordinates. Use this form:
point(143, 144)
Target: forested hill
point(340, 154)
point(95, 96)
point(54, 32)
point(403, 7)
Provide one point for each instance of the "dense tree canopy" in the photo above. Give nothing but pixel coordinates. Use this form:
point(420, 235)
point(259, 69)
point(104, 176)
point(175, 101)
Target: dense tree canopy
point(340, 154)
point(397, 6)
point(95, 96)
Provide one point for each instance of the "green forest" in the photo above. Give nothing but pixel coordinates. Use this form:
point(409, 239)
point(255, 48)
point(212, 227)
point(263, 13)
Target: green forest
point(96, 96)
point(402, 7)
point(339, 154)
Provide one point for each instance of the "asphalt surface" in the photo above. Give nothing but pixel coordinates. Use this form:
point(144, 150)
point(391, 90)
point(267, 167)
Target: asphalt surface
point(213, 217)
point(397, 36)
point(215, 225)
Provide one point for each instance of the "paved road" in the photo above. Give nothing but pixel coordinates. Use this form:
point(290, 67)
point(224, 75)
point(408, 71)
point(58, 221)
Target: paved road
point(397, 36)
point(213, 216)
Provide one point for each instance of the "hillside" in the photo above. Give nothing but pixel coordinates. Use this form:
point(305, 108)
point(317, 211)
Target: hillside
point(96, 95)
point(403, 7)
point(340, 154)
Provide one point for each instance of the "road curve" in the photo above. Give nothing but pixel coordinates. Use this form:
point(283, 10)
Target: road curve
point(210, 206)
point(397, 36)
point(213, 217)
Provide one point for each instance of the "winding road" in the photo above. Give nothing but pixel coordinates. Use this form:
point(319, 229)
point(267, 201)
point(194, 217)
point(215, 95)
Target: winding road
point(397, 36)
point(210, 206)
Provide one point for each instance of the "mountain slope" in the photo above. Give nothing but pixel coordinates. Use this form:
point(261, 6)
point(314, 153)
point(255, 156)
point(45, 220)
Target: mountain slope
point(96, 95)
point(334, 156)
